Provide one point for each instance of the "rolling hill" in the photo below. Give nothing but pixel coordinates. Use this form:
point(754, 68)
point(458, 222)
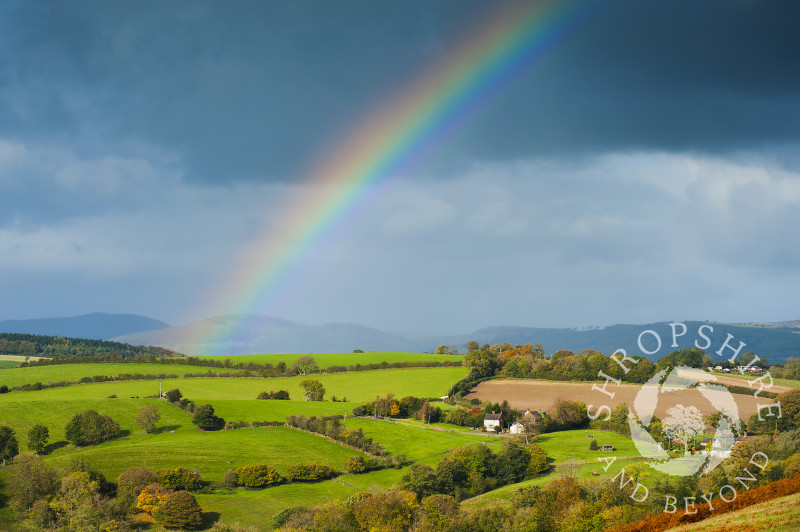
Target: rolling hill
point(96, 326)
point(245, 334)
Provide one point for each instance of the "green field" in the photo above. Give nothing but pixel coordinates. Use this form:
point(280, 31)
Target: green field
point(357, 386)
point(73, 372)
point(341, 359)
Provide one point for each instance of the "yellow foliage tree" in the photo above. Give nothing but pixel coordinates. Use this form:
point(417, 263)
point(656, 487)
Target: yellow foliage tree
point(394, 411)
point(151, 497)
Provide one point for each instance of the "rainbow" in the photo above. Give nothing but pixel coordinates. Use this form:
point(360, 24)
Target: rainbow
point(383, 148)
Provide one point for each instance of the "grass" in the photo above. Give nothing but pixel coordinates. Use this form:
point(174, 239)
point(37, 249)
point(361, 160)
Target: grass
point(781, 514)
point(340, 359)
point(73, 372)
point(357, 386)
point(212, 453)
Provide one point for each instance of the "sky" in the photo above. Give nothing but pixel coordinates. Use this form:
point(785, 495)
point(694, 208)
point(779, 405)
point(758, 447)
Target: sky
point(645, 166)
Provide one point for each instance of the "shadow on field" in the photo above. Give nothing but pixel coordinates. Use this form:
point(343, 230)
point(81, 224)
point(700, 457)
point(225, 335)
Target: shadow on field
point(166, 428)
point(55, 446)
point(209, 518)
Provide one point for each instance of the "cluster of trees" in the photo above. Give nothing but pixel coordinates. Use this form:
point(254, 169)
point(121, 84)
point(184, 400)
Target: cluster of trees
point(331, 427)
point(472, 470)
point(90, 428)
point(59, 347)
point(176, 398)
point(409, 406)
point(428, 499)
point(78, 497)
point(789, 370)
point(280, 394)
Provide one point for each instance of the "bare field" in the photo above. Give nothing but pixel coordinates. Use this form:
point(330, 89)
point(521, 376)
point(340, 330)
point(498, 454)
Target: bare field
point(540, 395)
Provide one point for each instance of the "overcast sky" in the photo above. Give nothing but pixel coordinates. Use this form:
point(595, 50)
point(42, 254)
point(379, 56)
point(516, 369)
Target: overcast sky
point(646, 169)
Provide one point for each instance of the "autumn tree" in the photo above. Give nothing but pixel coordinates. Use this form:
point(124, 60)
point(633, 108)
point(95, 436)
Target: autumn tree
point(393, 510)
point(179, 478)
point(151, 497)
point(180, 510)
point(78, 502)
point(257, 476)
point(148, 417)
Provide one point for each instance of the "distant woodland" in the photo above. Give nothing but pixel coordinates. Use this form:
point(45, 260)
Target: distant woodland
point(59, 347)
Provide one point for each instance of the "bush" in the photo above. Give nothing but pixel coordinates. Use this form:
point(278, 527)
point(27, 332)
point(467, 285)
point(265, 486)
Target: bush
point(593, 446)
point(229, 479)
point(257, 476)
point(310, 472)
point(3, 388)
point(282, 395)
point(180, 478)
point(180, 510)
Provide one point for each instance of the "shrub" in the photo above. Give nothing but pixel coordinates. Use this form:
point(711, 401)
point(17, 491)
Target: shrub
point(3, 388)
point(180, 510)
point(257, 476)
point(282, 395)
point(310, 472)
point(180, 478)
point(593, 446)
point(228, 479)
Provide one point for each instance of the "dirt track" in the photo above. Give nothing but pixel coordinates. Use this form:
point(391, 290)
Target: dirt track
point(540, 395)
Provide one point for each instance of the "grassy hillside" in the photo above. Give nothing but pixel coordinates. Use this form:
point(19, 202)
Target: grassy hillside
point(356, 386)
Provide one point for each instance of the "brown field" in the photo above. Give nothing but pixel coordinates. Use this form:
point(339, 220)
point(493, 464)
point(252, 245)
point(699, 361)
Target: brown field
point(540, 395)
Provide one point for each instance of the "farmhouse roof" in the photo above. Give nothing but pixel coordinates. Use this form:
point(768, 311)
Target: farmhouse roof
point(493, 417)
point(532, 415)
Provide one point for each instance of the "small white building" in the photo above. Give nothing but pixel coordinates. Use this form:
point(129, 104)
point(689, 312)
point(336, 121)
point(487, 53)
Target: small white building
point(490, 421)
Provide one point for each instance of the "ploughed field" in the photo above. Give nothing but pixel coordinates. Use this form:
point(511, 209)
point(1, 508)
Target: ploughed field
point(540, 395)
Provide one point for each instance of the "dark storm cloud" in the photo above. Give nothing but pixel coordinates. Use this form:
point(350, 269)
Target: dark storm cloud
point(256, 90)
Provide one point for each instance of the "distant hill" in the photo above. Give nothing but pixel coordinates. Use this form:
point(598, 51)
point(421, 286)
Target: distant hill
point(97, 326)
point(245, 334)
